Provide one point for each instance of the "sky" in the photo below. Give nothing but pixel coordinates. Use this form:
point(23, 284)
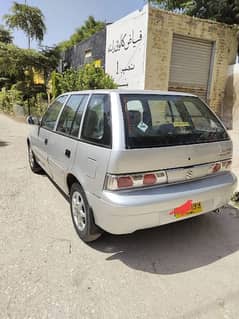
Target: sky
point(62, 17)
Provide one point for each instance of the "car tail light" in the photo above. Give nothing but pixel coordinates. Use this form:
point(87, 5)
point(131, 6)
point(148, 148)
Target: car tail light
point(226, 165)
point(116, 182)
point(220, 166)
point(216, 167)
point(124, 181)
point(129, 181)
point(149, 179)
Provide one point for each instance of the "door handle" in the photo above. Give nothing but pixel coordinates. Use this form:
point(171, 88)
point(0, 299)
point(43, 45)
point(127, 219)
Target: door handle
point(46, 141)
point(68, 153)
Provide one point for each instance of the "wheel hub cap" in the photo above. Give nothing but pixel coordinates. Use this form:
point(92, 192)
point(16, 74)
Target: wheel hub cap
point(79, 211)
point(31, 158)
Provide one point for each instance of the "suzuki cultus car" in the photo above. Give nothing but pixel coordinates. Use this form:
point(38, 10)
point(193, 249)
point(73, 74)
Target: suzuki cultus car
point(131, 160)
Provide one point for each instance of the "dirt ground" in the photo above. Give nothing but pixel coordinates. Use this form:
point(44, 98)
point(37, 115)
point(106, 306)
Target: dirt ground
point(183, 270)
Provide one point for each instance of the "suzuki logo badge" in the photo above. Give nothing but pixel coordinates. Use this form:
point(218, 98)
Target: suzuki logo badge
point(189, 174)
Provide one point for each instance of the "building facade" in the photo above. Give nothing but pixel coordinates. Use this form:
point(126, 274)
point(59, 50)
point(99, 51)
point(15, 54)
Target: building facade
point(156, 49)
point(87, 51)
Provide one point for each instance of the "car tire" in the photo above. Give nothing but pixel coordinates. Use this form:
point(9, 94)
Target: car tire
point(35, 167)
point(82, 215)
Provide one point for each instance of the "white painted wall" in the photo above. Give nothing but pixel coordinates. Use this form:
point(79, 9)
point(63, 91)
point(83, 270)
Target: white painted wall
point(126, 41)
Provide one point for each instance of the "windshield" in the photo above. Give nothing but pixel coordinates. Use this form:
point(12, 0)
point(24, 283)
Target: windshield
point(168, 120)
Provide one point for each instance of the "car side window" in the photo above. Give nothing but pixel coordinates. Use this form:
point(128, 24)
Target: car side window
point(50, 117)
point(97, 121)
point(70, 119)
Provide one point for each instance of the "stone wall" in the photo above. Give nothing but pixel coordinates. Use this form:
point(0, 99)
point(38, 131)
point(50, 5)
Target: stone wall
point(161, 27)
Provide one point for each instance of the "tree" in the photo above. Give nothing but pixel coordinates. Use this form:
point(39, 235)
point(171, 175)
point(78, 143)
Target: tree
point(15, 61)
point(90, 27)
point(5, 35)
point(225, 11)
point(52, 57)
point(22, 67)
point(28, 19)
point(90, 77)
point(171, 5)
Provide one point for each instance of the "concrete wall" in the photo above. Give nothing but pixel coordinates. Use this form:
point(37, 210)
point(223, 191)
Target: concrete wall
point(231, 98)
point(75, 56)
point(161, 27)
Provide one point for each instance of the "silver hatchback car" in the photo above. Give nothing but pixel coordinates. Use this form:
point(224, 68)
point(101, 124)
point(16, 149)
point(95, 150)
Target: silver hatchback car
point(133, 159)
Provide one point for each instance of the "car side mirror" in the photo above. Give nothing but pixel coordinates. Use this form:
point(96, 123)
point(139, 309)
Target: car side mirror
point(33, 120)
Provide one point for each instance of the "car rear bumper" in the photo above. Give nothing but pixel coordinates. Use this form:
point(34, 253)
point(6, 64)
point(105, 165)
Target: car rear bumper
point(127, 211)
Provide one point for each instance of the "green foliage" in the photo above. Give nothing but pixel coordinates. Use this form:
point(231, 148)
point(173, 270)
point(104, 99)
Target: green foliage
point(36, 106)
point(90, 27)
point(17, 66)
point(171, 5)
point(225, 11)
point(16, 62)
point(67, 81)
point(28, 19)
point(5, 35)
point(92, 77)
point(52, 56)
point(20, 67)
point(89, 77)
point(8, 98)
point(54, 86)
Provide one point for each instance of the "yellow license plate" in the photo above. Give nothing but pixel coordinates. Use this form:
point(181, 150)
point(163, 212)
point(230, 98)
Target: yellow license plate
point(196, 209)
point(181, 124)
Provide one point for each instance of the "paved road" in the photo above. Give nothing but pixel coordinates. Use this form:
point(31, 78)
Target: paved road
point(184, 270)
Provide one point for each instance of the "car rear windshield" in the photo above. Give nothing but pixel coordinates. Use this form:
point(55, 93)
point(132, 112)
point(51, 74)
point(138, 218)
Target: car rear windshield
point(168, 120)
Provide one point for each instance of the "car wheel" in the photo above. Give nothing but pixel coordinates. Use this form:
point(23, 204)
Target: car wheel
point(82, 215)
point(35, 167)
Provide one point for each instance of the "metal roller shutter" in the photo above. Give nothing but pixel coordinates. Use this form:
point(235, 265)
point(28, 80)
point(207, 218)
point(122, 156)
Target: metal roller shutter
point(190, 65)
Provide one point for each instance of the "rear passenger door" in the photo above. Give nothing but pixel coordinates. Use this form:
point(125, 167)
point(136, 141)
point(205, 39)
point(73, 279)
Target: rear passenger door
point(94, 149)
point(64, 142)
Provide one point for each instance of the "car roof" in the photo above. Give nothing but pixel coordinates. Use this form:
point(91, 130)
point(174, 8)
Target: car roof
point(127, 91)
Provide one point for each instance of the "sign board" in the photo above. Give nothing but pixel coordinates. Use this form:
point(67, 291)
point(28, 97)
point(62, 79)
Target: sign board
point(126, 42)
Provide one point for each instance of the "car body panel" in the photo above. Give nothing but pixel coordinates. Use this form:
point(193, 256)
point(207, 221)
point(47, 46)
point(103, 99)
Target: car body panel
point(58, 161)
point(127, 211)
point(40, 147)
point(152, 159)
point(91, 163)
